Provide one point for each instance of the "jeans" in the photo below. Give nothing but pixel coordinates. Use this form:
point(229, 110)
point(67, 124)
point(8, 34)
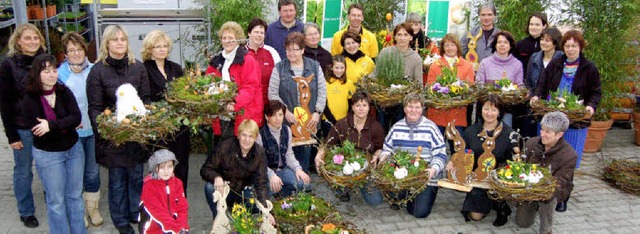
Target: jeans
point(460, 130)
point(91, 168)
point(370, 194)
point(421, 205)
point(507, 118)
point(23, 175)
point(232, 199)
point(303, 155)
point(125, 188)
point(290, 183)
point(61, 176)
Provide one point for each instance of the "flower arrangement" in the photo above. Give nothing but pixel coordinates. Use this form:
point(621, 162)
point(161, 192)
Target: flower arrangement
point(520, 173)
point(326, 228)
point(296, 212)
point(345, 166)
point(565, 102)
point(510, 93)
point(403, 171)
point(390, 85)
point(242, 221)
point(520, 181)
point(449, 92)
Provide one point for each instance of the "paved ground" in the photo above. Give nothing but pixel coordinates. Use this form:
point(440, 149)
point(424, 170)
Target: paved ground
point(595, 207)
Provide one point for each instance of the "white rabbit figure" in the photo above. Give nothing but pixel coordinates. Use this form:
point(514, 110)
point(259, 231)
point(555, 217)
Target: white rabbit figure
point(128, 102)
point(400, 173)
point(266, 226)
point(221, 222)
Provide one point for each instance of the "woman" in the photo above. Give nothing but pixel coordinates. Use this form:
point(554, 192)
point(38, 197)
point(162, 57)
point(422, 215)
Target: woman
point(419, 39)
point(409, 134)
point(574, 73)
point(477, 204)
point(312, 48)
point(234, 63)
point(266, 56)
point(116, 65)
point(284, 171)
point(402, 35)
point(552, 151)
point(73, 73)
point(240, 163)
point(25, 43)
point(156, 48)
point(358, 64)
point(284, 88)
point(502, 64)
point(451, 50)
point(52, 114)
point(531, 44)
point(363, 130)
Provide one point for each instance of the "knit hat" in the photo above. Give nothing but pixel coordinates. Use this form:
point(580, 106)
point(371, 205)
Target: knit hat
point(161, 156)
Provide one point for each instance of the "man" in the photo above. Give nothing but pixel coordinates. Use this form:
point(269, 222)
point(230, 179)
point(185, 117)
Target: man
point(287, 23)
point(369, 44)
point(476, 45)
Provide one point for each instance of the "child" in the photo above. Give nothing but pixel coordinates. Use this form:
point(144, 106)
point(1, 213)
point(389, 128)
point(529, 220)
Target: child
point(163, 206)
point(339, 90)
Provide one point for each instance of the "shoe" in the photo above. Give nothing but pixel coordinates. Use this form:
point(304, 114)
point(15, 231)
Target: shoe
point(561, 207)
point(92, 210)
point(344, 197)
point(30, 221)
point(395, 207)
point(501, 220)
point(126, 229)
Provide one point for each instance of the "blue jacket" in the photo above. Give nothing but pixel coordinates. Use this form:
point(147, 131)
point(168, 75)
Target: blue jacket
point(535, 68)
point(277, 33)
point(77, 83)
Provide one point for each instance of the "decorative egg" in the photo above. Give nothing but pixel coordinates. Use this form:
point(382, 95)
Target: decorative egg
point(356, 166)
point(347, 169)
point(400, 173)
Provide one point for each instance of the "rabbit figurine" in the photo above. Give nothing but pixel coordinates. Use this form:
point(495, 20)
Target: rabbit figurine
point(221, 221)
point(266, 226)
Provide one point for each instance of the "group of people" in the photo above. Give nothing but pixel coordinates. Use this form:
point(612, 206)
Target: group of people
point(49, 113)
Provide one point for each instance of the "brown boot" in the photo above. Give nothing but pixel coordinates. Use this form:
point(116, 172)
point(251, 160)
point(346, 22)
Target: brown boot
point(91, 201)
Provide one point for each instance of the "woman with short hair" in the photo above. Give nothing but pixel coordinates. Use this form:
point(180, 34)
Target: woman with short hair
point(312, 48)
point(266, 55)
point(358, 63)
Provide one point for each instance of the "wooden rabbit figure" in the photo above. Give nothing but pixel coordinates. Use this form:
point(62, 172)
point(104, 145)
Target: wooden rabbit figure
point(487, 161)
point(221, 221)
point(299, 129)
point(463, 163)
point(266, 227)
point(472, 55)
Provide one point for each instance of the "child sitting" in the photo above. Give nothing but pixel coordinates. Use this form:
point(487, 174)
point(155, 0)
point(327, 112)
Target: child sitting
point(163, 206)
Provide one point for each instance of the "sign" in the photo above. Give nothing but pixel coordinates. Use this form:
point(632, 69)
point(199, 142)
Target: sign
point(438, 18)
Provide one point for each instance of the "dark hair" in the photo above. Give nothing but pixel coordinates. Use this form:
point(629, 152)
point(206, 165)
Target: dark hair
point(405, 26)
point(554, 34)
point(34, 82)
point(359, 96)
point(355, 6)
point(294, 38)
point(75, 38)
point(330, 74)
point(493, 99)
point(539, 15)
point(286, 3)
point(352, 35)
point(274, 106)
point(575, 35)
point(508, 36)
point(256, 22)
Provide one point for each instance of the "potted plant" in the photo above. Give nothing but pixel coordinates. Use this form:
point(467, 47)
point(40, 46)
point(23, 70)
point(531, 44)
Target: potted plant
point(51, 8)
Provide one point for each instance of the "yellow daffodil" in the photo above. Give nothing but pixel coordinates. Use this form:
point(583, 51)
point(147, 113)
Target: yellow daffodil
point(508, 174)
point(252, 201)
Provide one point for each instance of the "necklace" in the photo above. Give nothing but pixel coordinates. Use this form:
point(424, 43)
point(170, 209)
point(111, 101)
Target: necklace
point(51, 99)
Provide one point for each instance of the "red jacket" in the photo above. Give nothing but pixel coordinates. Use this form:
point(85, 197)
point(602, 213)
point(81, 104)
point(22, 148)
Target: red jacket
point(267, 58)
point(164, 205)
point(245, 72)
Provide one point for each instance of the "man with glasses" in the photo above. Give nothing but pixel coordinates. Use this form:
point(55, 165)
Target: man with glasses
point(369, 44)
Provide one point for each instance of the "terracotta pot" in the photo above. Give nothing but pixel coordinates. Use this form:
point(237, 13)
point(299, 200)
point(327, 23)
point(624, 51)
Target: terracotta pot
point(31, 11)
point(636, 126)
point(38, 13)
point(51, 11)
point(596, 134)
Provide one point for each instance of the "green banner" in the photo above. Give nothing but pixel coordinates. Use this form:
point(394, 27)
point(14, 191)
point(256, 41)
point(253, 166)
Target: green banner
point(438, 17)
point(332, 9)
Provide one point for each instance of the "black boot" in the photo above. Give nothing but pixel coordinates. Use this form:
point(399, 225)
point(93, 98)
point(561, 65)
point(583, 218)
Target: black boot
point(503, 214)
point(562, 205)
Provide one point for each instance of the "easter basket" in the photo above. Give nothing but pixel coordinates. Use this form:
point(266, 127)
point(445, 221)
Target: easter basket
point(567, 104)
point(389, 86)
point(510, 94)
point(345, 166)
point(201, 96)
point(402, 173)
point(521, 182)
point(450, 92)
point(294, 213)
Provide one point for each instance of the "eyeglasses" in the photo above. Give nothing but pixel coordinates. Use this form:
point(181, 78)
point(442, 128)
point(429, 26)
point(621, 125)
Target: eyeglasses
point(293, 50)
point(75, 51)
point(161, 47)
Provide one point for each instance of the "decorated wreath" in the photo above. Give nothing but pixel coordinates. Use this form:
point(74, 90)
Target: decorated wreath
point(296, 212)
point(402, 172)
point(345, 166)
point(567, 103)
point(450, 92)
point(510, 93)
point(201, 96)
point(624, 174)
point(521, 182)
point(389, 86)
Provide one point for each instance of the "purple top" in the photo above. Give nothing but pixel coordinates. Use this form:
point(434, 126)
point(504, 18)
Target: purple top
point(494, 68)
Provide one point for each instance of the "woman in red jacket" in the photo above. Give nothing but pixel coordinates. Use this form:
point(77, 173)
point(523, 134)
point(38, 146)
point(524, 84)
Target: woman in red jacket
point(234, 63)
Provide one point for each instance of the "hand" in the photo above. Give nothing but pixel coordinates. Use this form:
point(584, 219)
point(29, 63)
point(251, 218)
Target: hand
point(275, 183)
point(218, 184)
point(42, 128)
point(431, 171)
point(300, 175)
point(290, 118)
point(533, 99)
point(16, 145)
point(450, 167)
point(377, 159)
point(590, 111)
point(315, 118)
point(79, 126)
point(319, 158)
point(230, 107)
point(271, 219)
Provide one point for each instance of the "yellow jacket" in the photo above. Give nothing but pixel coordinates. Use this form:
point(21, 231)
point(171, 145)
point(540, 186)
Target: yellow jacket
point(359, 68)
point(338, 95)
point(368, 46)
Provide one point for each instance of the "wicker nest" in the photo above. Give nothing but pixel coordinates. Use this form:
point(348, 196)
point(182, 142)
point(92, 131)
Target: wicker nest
point(160, 123)
point(400, 191)
point(439, 101)
point(332, 227)
point(201, 96)
point(509, 98)
point(337, 178)
point(293, 216)
point(624, 174)
point(385, 96)
point(519, 192)
point(539, 109)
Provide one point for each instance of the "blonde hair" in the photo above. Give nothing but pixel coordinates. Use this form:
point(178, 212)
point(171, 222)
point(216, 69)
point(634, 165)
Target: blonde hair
point(234, 27)
point(14, 48)
point(249, 126)
point(110, 34)
point(150, 40)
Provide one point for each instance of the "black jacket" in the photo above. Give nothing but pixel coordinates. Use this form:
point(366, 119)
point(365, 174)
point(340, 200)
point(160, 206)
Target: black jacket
point(157, 82)
point(503, 150)
point(525, 48)
point(320, 55)
point(104, 79)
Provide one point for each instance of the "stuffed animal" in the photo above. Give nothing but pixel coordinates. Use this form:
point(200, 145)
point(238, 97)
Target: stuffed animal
point(128, 102)
point(266, 226)
point(221, 221)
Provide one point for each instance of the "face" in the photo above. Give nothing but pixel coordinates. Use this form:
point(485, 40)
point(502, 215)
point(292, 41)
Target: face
point(361, 109)
point(572, 49)
point(256, 35)
point(503, 46)
point(294, 52)
point(402, 38)
point(450, 49)
point(165, 170)
point(275, 121)
point(229, 41)
point(312, 37)
point(490, 112)
point(338, 68)
point(49, 77)
point(29, 42)
point(355, 17)
point(160, 50)
point(75, 54)
point(288, 13)
point(246, 140)
point(413, 111)
point(416, 27)
point(546, 44)
point(351, 46)
point(536, 27)
point(117, 46)
point(549, 137)
point(486, 18)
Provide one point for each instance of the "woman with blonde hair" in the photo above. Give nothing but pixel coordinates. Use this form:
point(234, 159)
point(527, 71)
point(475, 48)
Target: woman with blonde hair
point(116, 66)
point(25, 44)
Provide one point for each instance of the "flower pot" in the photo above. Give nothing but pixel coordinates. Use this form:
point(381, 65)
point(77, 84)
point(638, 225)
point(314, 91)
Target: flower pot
point(38, 13)
point(636, 126)
point(596, 134)
point(51, 11)
point(31, 11)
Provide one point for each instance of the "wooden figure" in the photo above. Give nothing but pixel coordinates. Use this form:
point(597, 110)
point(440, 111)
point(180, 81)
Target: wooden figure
point(472, 55)
point(458, 178)
point(221, 222)
point(487, 161)
point(266, 227)
point(302, 134)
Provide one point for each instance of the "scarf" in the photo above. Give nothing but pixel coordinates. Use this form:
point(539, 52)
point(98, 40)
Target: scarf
point(48, 110)
point(82, 65)
point(451, 60)
point(412, 126)
point(228, 59)
point(120, 65)
point(353, 57)
point(568, 73)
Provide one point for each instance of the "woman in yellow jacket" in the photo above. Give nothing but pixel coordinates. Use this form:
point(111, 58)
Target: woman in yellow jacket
point(358, 64)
